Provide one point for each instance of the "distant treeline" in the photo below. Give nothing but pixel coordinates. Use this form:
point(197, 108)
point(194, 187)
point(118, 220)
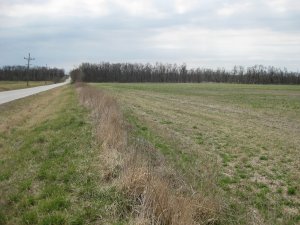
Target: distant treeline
point(20, 73)
point(128, 72)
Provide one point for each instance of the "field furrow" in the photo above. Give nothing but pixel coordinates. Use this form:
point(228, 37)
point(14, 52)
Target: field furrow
point(248, 135)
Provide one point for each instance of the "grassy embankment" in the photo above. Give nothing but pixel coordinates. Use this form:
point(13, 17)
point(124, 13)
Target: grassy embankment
point(13, 85)
point(239, 142)
point(49, 164)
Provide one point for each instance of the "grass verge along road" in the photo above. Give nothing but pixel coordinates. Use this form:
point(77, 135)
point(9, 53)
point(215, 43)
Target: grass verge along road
point(48, 166)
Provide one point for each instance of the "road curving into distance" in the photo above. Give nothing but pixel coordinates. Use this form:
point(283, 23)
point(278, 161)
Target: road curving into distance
point(7, 96)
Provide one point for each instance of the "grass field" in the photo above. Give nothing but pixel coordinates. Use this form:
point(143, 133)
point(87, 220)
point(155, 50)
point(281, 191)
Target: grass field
point(152, 154)
point(12, 85)
point(48, 164)
point(240, 142)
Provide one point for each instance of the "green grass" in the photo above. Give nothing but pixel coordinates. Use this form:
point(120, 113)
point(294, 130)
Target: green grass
point(12, 85)
point(239, 143)
point(179, 158)
point(49, 170)
point(256, 96)
point(242, 139)
point(291, 191)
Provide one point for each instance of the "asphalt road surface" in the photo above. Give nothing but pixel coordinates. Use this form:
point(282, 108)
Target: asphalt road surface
point(7, 96)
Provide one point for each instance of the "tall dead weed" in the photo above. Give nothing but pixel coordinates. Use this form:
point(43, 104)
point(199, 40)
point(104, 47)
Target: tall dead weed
point(158, 193)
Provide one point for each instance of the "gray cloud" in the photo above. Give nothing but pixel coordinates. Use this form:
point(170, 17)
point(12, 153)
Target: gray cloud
point(201, 33)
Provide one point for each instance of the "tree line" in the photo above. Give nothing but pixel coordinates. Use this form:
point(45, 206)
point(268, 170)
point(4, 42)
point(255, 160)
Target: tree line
point(159, 72)
point(21, 73)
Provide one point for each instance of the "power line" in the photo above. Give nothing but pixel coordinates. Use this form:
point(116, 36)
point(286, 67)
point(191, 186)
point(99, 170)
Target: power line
point(28, 64)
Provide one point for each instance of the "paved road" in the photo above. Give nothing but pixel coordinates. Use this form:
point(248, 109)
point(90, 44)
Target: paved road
point(7, 96)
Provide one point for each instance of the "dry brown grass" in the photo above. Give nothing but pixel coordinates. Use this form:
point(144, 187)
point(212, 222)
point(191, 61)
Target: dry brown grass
point(158, 193)
point(108, 128)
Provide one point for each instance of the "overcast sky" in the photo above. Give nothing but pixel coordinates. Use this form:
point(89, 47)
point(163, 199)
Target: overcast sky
point(200, 33)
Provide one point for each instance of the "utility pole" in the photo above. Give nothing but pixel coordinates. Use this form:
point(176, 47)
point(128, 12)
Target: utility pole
point(47, 73)
point(28, 64)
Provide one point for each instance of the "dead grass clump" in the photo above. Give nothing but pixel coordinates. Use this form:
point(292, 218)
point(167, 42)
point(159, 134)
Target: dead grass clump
point(106, 116)
point(158, 196)
point(157, 203)
point(109, 132)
